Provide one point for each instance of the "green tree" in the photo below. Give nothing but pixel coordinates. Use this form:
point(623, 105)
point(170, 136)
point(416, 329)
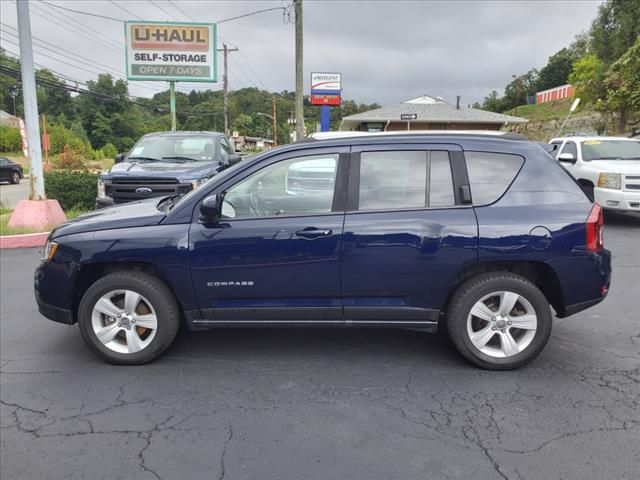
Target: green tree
point(10, 85)
point(101, 132)
point(53, 98)
point(493, 103)
point(622, 84)
point(615, 29)
point(557, 70)
point(587, 77)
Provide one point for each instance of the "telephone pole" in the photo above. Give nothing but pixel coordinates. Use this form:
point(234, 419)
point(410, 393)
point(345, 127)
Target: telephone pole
point(225, 82)
point(30, 101)
point(299, 83)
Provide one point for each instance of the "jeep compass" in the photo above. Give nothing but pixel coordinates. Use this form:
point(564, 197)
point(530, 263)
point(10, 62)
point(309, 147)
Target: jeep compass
point(481, 234)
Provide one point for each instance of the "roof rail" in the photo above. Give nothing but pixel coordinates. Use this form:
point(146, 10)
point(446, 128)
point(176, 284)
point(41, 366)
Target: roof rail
point(355, 134)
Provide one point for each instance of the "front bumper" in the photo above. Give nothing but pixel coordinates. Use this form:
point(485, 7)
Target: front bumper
point(56, 314)
point(52, 290)
point(617, 199)
point(104, 203)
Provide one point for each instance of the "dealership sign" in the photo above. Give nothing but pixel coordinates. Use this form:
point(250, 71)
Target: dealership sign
point(184, 52)
point(326, 88)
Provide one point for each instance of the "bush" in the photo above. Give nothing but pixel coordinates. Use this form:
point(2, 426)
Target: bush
point(61, 137)
point(73, 189)
point(109, 150)
point(10, 139)
point(69, 159)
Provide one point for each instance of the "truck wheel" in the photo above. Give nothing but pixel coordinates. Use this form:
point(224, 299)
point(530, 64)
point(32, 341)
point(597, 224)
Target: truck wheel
point(499, 321)
point(128, 317)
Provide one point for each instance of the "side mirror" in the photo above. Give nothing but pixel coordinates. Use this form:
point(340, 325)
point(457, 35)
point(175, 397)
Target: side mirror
point(567, 157)
point(234, 158)
point(119, 158)
point(210, 208)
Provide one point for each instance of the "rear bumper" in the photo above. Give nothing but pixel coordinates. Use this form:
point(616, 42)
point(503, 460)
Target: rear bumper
point(578, 307)
point(617, 199)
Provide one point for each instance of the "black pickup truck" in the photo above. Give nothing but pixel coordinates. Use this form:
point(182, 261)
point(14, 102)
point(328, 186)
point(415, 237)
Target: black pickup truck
point(165, 163)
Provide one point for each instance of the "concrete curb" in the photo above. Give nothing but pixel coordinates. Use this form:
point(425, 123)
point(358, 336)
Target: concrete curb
point(28, 240)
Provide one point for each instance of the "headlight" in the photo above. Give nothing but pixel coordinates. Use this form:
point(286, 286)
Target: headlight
point(49, 250)
point(609, 180)
point(101, 189)
point(196, 183)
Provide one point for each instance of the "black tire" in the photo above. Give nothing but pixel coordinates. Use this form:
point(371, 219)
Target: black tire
point(15, 177)
point(150, 287)
point(478, 287)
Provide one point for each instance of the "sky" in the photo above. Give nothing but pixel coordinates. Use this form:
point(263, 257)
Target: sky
point(387, 51)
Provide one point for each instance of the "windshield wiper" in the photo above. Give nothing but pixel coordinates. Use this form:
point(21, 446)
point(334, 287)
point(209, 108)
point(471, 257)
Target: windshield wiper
point(185, 159)
point(145, 159)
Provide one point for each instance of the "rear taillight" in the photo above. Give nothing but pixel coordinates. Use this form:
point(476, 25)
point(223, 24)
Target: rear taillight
point(595, 227)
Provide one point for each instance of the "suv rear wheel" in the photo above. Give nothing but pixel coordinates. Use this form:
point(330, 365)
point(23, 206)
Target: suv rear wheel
point(499, 320)
point(128, 318)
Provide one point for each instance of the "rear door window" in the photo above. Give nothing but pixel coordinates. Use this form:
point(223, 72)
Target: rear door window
point(405, 179)
point(490, 174)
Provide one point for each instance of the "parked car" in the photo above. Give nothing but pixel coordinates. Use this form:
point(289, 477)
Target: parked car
point(476, 233)
point(165, 163)
point(10, 171)
point(608, 168)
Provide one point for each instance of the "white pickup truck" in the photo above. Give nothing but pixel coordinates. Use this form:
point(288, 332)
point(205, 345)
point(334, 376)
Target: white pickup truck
point(608, 168)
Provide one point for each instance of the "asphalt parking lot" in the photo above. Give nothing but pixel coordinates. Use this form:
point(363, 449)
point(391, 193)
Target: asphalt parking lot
point(323, 404)
point(10, 195)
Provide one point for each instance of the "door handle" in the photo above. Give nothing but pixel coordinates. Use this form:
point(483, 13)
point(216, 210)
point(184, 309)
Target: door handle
point(312, 232)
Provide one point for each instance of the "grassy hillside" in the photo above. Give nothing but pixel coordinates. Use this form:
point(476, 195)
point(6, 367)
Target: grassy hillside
point(546, 111)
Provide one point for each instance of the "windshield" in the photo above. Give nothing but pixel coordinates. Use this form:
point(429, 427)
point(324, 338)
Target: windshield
point(174, 148)
point(610, 150)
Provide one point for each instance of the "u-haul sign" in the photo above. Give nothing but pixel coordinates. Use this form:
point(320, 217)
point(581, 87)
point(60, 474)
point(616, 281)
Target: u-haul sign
point(168, 51)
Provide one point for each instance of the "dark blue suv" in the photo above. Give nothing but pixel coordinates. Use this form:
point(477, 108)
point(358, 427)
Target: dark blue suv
point(477, 233)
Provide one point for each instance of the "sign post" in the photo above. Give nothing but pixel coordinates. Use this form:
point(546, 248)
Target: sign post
point(572, 109)
point(326, 91)
point(173, 52)
point(172, 104)
point(408, 117)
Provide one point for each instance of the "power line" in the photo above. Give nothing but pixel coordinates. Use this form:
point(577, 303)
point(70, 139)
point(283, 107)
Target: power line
point(264, 10)
point(285, 11)
point(103, 96)
point(104, 17)
point(76, 58)
point(55, 20)
point(123, 9)
point(160, 8)
point(175, 5)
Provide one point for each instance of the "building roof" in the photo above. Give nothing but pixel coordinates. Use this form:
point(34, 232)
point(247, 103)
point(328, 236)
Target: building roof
point(429, 109)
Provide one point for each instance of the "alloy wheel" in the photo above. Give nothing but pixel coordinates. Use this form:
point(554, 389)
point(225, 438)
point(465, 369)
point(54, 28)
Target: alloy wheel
point(124, 321)
point(502, 324)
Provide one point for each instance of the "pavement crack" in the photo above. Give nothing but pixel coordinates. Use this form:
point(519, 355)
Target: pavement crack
point(224, 451)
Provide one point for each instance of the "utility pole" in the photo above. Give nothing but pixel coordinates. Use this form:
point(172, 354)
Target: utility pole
point(275, 122)
point(225, 82)
point(30, 101)
point(299, 83)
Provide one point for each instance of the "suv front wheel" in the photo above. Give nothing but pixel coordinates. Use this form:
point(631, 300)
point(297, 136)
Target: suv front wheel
point(128, 317)
point(499, 321)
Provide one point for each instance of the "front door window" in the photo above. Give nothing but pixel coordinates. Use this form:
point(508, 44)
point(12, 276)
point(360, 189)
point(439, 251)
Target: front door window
point(296, 187)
